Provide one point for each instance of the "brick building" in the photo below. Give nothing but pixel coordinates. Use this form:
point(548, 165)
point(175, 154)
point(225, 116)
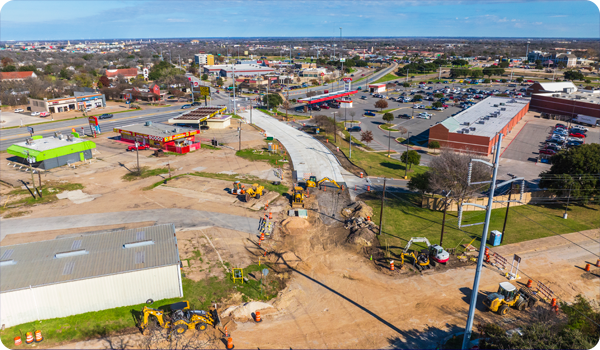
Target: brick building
point(582, 102)
point(476, 129)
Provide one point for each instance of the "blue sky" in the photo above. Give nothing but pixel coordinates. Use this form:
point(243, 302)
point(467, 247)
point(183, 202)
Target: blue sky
point(54, 20)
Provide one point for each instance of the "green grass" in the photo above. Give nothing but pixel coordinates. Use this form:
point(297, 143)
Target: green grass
point(144, 173)
point(386, 78)
point(260, 155)
point(101, 323)
point(207, 146)
point(388, 127)
point(386, 110)
point(377, 164)
point(404, 218)
point(47, 196)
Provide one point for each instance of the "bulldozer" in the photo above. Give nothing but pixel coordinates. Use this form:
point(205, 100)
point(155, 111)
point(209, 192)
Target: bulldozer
point(298, 197)
point(255, 192)
point(178, 318)
point(508, 296)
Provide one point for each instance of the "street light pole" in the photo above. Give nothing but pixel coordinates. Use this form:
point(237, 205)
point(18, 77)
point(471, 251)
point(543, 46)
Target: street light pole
point(444, 219)
point(406, 163)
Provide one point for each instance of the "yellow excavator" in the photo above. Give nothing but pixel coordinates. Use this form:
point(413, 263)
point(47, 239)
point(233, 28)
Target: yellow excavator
point(178, 318)
point(255, 192)
point(298, 197)
point(312, 182)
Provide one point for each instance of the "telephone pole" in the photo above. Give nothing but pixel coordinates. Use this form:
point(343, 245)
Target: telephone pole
point(488, 214)
point(444, 219)
point(381, 212)
point(240, 140)
point(506, 215)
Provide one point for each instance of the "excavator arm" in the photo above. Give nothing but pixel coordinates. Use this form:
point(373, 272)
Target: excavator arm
point(415, 240)
point(328, 180)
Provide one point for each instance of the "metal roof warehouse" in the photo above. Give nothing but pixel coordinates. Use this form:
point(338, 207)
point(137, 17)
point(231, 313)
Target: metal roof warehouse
point(475, 129)
point(88, 272)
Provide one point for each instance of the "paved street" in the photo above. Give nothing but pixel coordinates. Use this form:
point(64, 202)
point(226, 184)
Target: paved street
point(181, 218)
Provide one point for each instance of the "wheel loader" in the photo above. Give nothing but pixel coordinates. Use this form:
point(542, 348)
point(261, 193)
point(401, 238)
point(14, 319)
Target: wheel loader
point(508, 296)
point(178, 318)
point(255, 192)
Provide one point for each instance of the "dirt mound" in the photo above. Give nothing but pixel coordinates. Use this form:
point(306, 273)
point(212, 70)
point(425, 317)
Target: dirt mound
point(295, 225)
point(244, 312)
point(362, 232)
point(358, 210)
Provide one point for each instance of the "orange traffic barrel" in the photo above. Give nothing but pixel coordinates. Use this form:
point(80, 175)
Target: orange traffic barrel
point(257, 317)
point(368, 188)
point(587, 267)
point(553, 302)
point(230, 343)
point(598, 263)
point(361, 175)
point(368, 218)
point(262, 236)
point(487, 251)
point(29, 337)
point(392, 265)
point(17, 341)
point(270, 215)
point(529, 283)
point(38, 336)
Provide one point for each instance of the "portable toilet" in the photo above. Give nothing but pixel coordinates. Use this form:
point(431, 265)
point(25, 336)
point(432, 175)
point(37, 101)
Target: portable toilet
point(495, 237)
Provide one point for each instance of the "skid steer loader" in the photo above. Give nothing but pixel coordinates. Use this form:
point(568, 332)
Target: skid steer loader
point(255, 192)
point(178, 318)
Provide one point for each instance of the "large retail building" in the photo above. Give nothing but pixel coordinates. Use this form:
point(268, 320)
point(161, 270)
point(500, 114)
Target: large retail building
point(167, 137)
point(51, 152)
point(79, 101)
point(476, 129)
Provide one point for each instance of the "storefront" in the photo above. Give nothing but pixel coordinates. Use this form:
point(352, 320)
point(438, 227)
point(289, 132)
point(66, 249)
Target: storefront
point(59, 105)
point(161, 136)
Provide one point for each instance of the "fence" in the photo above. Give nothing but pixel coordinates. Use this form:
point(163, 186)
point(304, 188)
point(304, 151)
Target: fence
point(437, 203)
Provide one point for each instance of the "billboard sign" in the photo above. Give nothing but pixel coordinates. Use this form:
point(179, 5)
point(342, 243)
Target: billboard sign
point(145, 72)
point(342, 60)
point(93, 120)
point(347, 79)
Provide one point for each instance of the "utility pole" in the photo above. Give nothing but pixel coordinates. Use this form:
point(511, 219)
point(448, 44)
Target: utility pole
point(40, 182)
point(444, 219)
point(406, 164)
point(250, 113)
point(488, 214)
point(440, 75)
point(381, 212)
point(240, 139)
point(29, 160)
point(506, 215)
point(334, 128)
point(565, 215)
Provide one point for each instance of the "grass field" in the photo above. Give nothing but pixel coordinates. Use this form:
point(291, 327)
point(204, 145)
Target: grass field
point(260, 155)
point(49, 190)
point(101, 323)
point(404, 218)
point(386, 78)
point(386, 110)
point(144, 173)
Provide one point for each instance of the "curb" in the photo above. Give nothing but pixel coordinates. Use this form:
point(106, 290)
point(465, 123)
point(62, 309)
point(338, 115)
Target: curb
point(379, 127)
point(388, 178)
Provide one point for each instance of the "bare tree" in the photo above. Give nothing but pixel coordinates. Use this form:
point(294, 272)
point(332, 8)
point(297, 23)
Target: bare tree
point(286, 105)
point(381, 104)
point(449, 172)
point(366, 136)
point(352, 114)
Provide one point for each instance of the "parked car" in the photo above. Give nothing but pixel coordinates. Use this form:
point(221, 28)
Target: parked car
point(44, 114)
point(577, 134)
point(196, 104)
point(186, 106)
point(547, 151)
point(578, 130)
point(370, 114)
point(33, 114)
point(140, 147)
point(355, 129)
point(315, 108)
point(363, 97)
point(105, 116)
point(424, 115)
point(573, 143)
point(560, 132)
point(404, 116)
point(559, 125)
point(324, 106)
point(19, 110)
point(553, 146)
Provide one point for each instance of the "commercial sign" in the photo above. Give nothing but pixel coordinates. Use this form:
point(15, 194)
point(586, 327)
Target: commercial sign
point(196, 84)
point(93, 120)
point(347, 79)
point(145, 72)
point(204, 90)
point(342, 60)
point(154, 137)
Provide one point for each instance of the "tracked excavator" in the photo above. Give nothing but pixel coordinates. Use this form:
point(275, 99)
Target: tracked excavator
point(422, 260)
point(312, 182)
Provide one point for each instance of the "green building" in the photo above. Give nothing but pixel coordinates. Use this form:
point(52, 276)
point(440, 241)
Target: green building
point(52, 152)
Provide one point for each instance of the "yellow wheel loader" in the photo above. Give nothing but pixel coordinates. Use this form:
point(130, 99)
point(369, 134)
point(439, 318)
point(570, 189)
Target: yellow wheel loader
point(508, 296)
point(298, 197)
point(178, 318)
point(255, 192)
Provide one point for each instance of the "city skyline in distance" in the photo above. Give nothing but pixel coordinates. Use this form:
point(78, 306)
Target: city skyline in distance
point(260, 19)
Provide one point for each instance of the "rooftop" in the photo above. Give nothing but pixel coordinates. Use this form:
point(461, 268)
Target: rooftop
point(486, 118)
point(152, 129)
point(580, 96)
point(48, 143)
point(558, 86)
point(15, 75)
point(201, 113)
point(87, 256)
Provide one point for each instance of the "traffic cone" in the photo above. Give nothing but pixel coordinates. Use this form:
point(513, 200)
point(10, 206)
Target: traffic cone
point(266, 206)
point(392, 265)
point(226, 333)
point(262, 236)
point(587, 267)
point(368, 218)
point(553, 302)
point(368, 188)
point(230, 344)
point(270, 215)
point(598, 263)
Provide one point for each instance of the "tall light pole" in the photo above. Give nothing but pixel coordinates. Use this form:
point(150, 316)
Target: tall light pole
point(341, 51)
point(406, 163)
point(234, 107)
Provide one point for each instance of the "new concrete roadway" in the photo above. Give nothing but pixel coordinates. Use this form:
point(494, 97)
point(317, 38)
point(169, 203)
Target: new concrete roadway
point(181, 218)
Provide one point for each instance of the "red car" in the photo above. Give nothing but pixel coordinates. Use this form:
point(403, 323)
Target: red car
point(325, 106)
point(576, 134)
point(140, 147)
point(445, 106)
point(547, 151)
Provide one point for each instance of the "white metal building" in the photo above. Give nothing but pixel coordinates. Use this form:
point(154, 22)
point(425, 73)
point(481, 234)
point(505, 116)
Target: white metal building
point(89, 272)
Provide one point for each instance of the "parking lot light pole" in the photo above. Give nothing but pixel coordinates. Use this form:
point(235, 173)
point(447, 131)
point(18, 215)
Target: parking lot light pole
point(406, 163)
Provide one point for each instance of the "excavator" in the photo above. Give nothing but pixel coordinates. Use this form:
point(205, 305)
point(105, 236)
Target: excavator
point(178, 318)
point(436, 252)
point(298, 197)
point(312, 182)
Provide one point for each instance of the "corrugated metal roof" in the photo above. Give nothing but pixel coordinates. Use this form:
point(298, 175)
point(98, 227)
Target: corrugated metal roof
point(35, 263)
point(558, 86)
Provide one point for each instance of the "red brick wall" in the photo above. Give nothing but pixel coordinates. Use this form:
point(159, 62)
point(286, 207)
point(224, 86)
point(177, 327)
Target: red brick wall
point(554, 105)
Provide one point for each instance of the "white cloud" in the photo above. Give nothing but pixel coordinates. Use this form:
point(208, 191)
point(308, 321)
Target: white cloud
point(177, 20)
point(559, 16)
point(537, 23)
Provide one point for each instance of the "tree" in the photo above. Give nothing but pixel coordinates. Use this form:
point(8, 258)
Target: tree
point(103, 81)
point(9, 68)
point(405, 84)
point(388, 117)
point(220, 81)
point(519, 80)
point(584, 161)
point(286, 105)
point(538, 64)
point(419, 182)
point(503, 64)
point(438, 95)
point(449, 171)
point(417, 98)
point(410, 157)
point(573, 75)
point(204, 77)
point(436, 104)
point(64, 73)
point(272, 100)
point(434, 145)
point(366, 136)
point(381, 104)
point(6, 61)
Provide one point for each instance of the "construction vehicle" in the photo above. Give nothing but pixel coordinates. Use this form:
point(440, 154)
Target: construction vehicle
point(312, 182)
point(508, 296)
point(255, 192)
point(298, 197)
point(238, 188)
point(178, 318)
point(437, 253)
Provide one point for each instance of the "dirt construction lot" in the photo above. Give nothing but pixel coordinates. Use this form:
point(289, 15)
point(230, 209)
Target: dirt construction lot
point(335, 296)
